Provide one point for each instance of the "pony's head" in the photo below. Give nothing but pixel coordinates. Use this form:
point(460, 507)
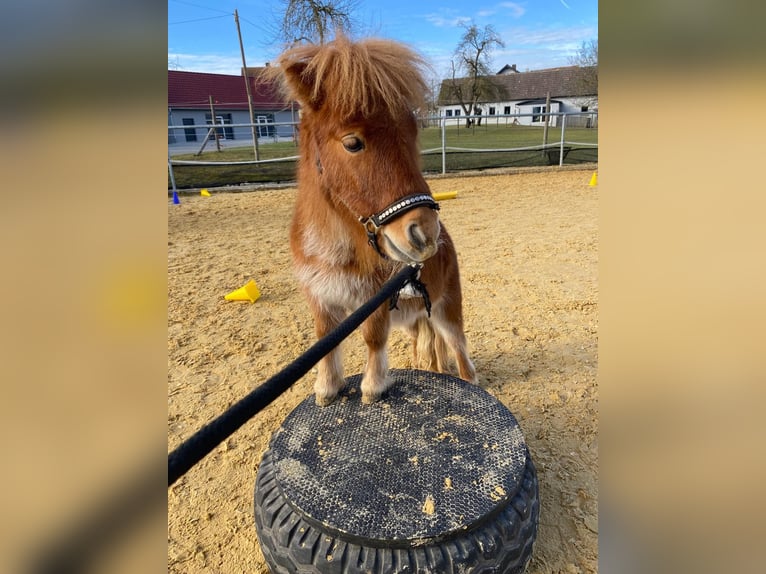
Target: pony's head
point(358, 139)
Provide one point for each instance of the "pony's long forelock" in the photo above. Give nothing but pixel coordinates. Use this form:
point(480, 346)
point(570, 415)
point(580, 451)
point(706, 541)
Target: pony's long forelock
point(363, 77)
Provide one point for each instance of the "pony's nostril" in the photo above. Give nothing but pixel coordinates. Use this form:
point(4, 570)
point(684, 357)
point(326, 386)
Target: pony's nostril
point(416, 236)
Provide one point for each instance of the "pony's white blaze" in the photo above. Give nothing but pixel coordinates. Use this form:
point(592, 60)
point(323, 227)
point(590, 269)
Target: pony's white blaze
point(360, 159)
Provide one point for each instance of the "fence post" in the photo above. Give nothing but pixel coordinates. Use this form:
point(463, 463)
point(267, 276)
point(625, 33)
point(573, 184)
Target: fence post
point(563, 129)
point(444, 144)
point(170, 169)
point(207, 139)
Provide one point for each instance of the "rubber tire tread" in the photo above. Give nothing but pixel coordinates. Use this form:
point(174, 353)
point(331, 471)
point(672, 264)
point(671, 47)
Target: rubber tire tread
point(502, 545)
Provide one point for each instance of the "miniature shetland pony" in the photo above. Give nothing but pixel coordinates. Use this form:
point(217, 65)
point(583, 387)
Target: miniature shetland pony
point(364, 210)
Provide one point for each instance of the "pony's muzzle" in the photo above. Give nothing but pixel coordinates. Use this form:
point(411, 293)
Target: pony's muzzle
point(416, 236)
point(414, 239)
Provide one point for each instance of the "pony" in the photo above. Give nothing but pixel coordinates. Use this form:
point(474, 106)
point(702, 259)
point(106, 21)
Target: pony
point(363, 208)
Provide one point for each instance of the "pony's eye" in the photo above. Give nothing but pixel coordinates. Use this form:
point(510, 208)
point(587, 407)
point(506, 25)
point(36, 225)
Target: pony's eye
point(353, 144)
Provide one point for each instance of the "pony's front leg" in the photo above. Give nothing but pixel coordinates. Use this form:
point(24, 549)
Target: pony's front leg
point(375, 333)
point(330, 369)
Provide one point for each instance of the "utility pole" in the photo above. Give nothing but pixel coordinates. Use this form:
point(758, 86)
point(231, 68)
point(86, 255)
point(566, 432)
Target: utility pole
point(212, 117)
point(247, 87)
point(547, 121)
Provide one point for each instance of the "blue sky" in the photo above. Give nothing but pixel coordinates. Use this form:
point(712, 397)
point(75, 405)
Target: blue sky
point(202, 35)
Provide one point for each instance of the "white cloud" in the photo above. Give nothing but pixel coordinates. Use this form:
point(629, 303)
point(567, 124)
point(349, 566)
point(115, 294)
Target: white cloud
point(535, 49)
point(517, 10)
point(446, 21)
point(549, 37)
point(213, 63)
point(448, 18)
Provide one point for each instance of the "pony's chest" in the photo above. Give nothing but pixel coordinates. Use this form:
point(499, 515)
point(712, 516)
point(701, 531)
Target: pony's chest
point(330, 245)
point(334, 287)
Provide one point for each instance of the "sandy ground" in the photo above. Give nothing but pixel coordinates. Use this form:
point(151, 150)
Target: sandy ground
point(528, 250)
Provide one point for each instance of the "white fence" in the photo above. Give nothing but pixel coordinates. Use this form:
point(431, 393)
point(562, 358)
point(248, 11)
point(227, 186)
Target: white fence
point(502, 134)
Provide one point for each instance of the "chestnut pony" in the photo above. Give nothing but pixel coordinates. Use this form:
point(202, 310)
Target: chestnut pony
point(350, 232)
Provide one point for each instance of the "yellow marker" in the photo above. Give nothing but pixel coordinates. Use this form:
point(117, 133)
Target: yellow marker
point(445, 195)
point(248, 292)
point(205, 192)
point(593, 180)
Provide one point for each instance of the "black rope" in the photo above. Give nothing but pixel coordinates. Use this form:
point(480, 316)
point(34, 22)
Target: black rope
point(197, 446)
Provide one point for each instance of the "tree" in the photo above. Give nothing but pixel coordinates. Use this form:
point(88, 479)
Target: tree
point(433, 83)
point(314, 21)
point(587, 59)
point(471, 67)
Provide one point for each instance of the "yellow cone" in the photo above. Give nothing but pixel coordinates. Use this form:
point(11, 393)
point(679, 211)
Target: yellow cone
point(593, 180)
point(249, 292)
point(445, 195)
point(205, 192)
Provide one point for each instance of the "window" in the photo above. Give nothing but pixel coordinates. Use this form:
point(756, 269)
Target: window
point(265, 125)
point(457, 112)
point(449, 113)
point(507, 110)
point(583, 108)
point(190, 133)
point(221, 120)
point(536, 110)
point(491, 110)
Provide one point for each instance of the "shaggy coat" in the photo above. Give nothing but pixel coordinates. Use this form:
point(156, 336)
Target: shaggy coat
point(358, 154)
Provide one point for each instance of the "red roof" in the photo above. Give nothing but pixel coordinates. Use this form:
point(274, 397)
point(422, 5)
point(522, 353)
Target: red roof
point(192, 90)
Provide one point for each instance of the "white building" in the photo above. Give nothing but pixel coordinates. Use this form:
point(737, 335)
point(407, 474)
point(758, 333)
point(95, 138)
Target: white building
point(511, 94)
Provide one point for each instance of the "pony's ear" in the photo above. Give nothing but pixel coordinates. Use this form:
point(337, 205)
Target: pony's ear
point(299, 83)
point(300, 76)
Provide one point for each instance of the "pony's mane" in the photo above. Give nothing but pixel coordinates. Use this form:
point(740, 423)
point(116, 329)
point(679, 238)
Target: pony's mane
point(358, 77)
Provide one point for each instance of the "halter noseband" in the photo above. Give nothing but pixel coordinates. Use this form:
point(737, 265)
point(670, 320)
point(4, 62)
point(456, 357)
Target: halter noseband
point(374, 222)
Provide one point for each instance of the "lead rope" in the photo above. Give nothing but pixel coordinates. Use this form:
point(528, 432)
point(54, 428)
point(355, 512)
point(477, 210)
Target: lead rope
point(197, 446)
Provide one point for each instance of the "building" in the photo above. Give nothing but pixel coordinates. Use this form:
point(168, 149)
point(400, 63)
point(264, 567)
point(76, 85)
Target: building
point(189, 107)
point(514, 93)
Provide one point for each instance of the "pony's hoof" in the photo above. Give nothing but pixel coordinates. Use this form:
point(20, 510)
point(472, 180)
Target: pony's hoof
point(325, 401)
point(370, 399)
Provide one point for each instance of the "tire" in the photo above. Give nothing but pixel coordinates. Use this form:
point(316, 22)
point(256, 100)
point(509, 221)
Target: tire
point(301, 533)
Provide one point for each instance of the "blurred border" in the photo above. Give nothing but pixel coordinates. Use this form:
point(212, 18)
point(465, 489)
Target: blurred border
point(682, 279)
point(83, 300)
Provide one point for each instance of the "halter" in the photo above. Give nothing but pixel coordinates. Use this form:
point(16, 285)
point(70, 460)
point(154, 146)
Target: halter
point(374, 222)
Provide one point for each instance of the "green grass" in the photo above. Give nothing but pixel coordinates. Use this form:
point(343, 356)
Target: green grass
point(486, 136)
point(501, 136)
point(495, 136)
point(214, 176)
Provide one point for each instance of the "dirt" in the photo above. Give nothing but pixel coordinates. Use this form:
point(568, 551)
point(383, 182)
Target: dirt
point(528, 251)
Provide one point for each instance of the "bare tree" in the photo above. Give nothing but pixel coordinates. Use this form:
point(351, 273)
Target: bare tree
point(587, 59)
point(315, 21)
point(433, 83)
point(471, 67)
